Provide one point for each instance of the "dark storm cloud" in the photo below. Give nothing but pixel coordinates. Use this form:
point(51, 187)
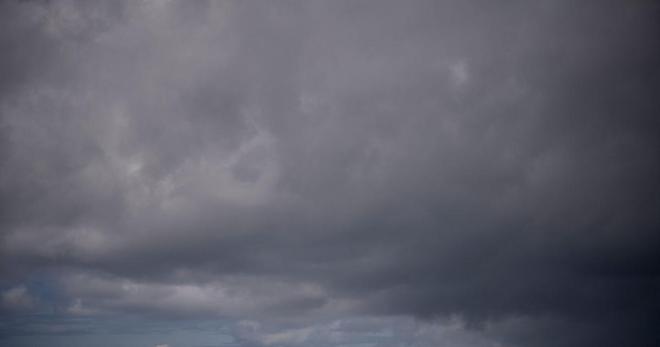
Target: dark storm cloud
point(290, 162)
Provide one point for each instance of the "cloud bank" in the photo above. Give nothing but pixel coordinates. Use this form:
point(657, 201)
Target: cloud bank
point(336, 172)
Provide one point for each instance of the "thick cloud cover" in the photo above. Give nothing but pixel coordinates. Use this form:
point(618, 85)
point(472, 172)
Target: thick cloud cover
point(390, 173)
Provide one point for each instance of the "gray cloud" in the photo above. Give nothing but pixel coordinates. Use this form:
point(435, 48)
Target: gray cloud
point(292, 163)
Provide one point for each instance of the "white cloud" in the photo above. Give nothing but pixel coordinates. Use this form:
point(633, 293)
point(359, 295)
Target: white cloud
point(460, 74)
point(227, 296)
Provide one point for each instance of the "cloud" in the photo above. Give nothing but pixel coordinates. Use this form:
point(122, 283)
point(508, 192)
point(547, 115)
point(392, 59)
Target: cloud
point(17, 298)
point(492, 168)
point(231, 296)
point(371, 331)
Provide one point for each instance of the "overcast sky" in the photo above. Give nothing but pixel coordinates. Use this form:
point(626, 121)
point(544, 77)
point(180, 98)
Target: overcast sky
point(330, 173)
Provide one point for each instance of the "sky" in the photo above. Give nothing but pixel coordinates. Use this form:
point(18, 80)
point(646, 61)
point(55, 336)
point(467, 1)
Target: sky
point(329, 173)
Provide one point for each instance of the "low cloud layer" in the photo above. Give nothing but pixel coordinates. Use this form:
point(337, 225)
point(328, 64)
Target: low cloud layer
point(433, 173)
